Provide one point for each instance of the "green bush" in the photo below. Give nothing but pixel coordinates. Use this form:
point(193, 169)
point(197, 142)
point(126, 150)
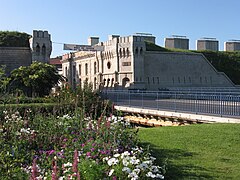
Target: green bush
point(14, 39)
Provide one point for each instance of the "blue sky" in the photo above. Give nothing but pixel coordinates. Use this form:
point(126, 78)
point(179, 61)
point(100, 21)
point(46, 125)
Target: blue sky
point(73, 21)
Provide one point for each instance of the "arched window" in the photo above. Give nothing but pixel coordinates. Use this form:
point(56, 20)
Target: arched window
point(95, 67)
point(79, 69)
point(141, 50)
point(108, 82)
point(86, 69)
point(127, 52)
point(43, 50)
point(125, 82)
point(104, 82)
point(37, 50)
point(80, 82)
point(124, 52)
point(120, 52)
point(136, 50)
point(95, 83)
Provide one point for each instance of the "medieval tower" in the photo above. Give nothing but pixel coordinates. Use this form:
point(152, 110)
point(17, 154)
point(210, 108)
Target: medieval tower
point(41, 46)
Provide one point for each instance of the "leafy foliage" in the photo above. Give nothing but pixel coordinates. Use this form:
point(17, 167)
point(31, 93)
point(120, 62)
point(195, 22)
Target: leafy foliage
point(4, 80)
point(14, 39)
point(36, 79)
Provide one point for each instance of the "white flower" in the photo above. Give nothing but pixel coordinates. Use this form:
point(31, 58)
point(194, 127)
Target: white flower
point(25, 130)
point(155, 169)
point(112, 161)
point(133, 160)
point(142, 166)
point(116, 155)
point(127, 169)
point(137, 171)
point(67, 164)
point(159, 176)
point(133, 175)
point(111, 172)
point(150, 174)
point(125, 162)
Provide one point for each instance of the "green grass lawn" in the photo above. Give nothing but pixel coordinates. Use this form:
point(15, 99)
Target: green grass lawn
point(206, 151)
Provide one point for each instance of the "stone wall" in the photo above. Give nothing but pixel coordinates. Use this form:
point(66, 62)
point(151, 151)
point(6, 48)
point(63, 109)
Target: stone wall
point(14, 57)
point(176, 69)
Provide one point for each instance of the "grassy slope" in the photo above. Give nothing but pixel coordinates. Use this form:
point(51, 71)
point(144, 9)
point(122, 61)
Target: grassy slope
point(209, 151)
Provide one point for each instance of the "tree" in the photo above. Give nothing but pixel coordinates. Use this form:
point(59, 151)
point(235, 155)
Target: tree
point(4, 80)
point(36, 79)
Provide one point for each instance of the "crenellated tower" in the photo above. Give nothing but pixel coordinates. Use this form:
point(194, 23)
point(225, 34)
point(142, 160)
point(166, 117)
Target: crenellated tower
point(41, 46)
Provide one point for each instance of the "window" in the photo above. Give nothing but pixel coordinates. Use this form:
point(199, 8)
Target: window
point(158, 80)
point(95, 67)
point(112, 82)
point(79, 69)
point(201, 80)
point(95, 83)
point(43, 50)
point(126, 63)
point(153, 80)
point(173, 80)
point(127, 52)
point(184, 80)
point(136, 50)
point(148, 79)
point(108, 65)
point(190, 80)
point(179, 81)
point(124, 55)
point(80, 82)
point(86, 69)
point(141, 50)
point(37, 50)
point(120, 52)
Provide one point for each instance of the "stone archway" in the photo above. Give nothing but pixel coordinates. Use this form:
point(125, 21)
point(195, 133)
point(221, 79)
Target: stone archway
point(125, 82)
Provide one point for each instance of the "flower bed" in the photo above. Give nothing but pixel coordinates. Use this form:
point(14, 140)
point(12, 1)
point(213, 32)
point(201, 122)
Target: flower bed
point(72, 147)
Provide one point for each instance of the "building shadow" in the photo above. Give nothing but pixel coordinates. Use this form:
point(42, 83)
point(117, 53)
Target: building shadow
point(174, 171)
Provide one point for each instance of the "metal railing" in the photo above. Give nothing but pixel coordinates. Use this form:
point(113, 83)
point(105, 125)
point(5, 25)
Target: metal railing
point(217, 103)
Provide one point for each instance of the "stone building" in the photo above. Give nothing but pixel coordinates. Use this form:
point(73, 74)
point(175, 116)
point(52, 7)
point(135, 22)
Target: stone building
point(40, 50)
point(232, 45)
point(129, 62)
point(41, 46)
point(207, 44)
point(177, 42)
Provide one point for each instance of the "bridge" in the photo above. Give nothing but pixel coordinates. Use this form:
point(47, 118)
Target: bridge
point(182, 105)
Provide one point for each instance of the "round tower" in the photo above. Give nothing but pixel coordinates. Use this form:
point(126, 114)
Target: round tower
point(41, 46)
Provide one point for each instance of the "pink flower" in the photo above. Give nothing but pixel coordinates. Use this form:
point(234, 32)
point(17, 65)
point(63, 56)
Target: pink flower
point(34, 170)
point(75, 164)
point(88, 154)
point(54, 171)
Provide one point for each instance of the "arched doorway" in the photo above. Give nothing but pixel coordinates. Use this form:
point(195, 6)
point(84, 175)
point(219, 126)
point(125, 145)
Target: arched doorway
point(125, 82)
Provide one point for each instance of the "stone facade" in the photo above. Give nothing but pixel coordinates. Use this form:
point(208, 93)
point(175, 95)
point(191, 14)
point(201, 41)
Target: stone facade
point(232, 46)
point(41, 46)
point(207, 44)
point(177, 43)
point(125, 63)
point(14, 57)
